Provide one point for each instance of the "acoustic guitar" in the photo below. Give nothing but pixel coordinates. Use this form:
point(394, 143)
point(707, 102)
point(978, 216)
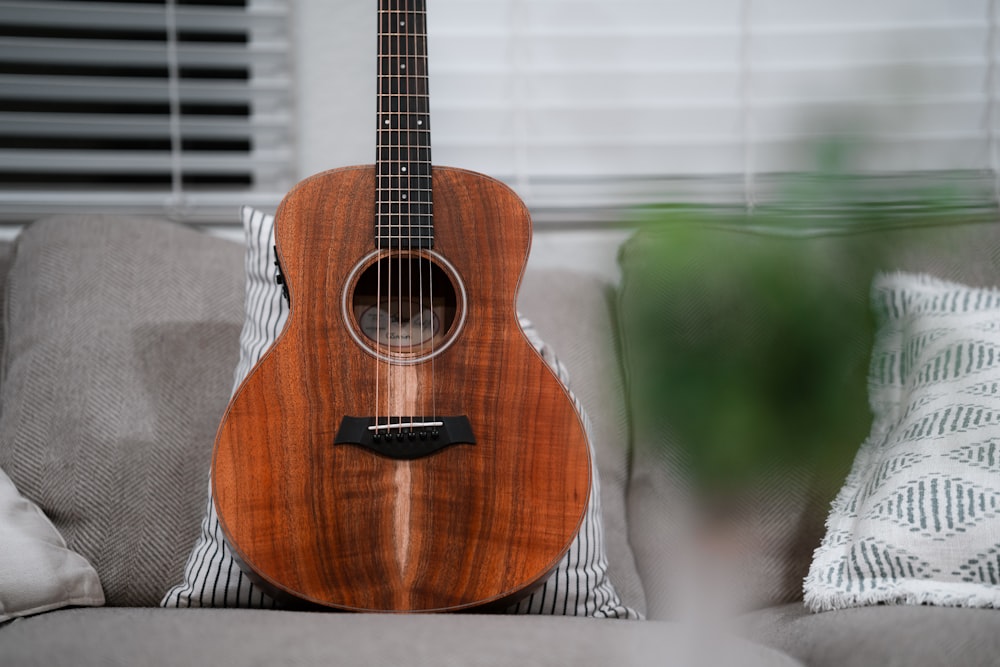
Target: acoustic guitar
point(402, 446)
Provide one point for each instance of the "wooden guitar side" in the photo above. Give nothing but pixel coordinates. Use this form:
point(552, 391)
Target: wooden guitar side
point(343, 527)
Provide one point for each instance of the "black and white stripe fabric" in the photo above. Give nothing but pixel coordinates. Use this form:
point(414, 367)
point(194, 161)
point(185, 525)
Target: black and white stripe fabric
point(578, 587)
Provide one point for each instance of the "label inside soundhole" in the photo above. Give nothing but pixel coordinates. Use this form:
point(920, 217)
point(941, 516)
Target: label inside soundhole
point(401, 323)
point(404, 305)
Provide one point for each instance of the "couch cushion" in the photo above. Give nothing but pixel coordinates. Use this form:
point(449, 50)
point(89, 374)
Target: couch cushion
point(121, 339)
point(886, 635)
point(574, 313)
point(763, 556)
point(580, 584)
point(238, 637)
point(6, 258)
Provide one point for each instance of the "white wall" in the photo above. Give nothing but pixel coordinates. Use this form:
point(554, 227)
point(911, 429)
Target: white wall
point(335, 73)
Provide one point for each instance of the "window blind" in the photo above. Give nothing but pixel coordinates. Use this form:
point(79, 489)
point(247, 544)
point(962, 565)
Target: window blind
point(587, 107)
point(167, 107)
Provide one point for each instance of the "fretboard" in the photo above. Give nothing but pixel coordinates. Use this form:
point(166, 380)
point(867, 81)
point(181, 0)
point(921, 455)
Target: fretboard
point(404, 206)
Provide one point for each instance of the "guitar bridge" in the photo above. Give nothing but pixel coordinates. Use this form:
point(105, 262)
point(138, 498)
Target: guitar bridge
point(405, 437)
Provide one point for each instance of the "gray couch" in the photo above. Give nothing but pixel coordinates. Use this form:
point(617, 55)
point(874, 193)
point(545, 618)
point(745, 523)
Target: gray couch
point(120, 339)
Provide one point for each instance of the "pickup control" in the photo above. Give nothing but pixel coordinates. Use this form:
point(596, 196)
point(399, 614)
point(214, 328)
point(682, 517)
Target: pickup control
point(279, 277)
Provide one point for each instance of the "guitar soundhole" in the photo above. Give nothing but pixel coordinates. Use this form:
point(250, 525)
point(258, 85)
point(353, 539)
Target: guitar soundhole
point(404, 306)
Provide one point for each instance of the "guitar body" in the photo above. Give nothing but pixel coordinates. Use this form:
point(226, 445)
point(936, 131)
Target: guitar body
point(410, 528)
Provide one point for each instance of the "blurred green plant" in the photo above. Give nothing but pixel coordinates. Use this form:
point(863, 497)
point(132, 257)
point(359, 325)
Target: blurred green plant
point(749, 334)
point(751, 355)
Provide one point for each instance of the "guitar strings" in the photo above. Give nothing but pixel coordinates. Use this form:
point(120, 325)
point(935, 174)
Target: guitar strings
point(380, 217)
point(413, 104)
point(419, 152)
point(403, 178)
point(402, 110)
point(412, 77)
point(396, 231)
point(426, 197)
point(407, 74)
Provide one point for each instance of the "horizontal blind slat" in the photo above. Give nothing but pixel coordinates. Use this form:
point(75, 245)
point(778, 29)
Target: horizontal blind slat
point(194, 207)
point(137, 16)
point(119, 89)
point(73, 125)
point(138, 161)
point(38, 50)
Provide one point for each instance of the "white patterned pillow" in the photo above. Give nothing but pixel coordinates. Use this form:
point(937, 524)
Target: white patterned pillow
point(917, 519)
point(578, 587)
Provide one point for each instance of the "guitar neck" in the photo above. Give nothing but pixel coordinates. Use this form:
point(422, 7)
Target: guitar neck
point(404, 203)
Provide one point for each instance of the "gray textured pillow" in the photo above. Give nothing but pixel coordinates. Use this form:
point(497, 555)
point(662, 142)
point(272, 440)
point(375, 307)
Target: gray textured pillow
point(121, 334)
point(916, 520)
point(580, 585)
point(37, 572)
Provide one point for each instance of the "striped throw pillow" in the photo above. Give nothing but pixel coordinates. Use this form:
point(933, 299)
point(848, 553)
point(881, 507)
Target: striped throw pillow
point(578, 587)
point(916, 521)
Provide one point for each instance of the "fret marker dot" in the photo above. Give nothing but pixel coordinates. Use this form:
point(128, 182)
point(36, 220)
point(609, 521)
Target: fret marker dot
point(404, 196)
point(386, 121)
point(420, 122)
point(404, 168)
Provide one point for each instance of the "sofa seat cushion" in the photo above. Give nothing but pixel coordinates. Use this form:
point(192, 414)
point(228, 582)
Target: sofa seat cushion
point(886, 635)
point(220, 637)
